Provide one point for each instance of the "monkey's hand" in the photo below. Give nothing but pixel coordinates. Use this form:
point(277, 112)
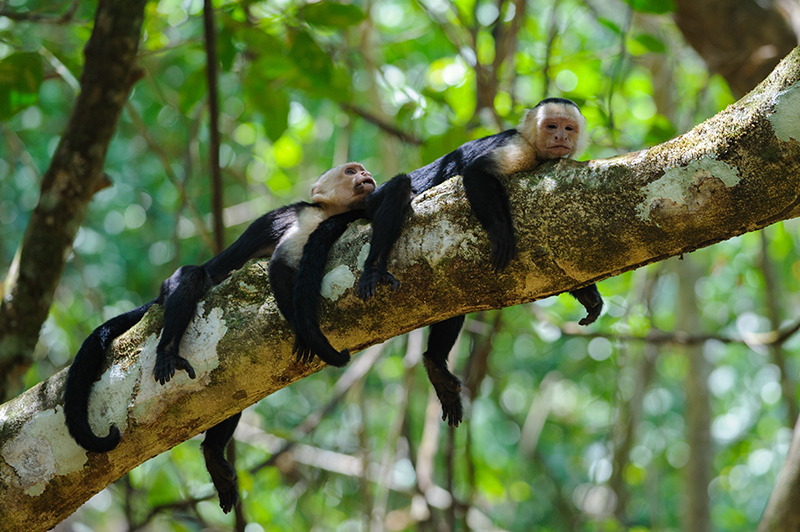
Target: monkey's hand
point(166, 364)
point(369, 280)
point(504, 248)
point(448, 390)
point(225, 480)
point(591, 300)
point(303, 352)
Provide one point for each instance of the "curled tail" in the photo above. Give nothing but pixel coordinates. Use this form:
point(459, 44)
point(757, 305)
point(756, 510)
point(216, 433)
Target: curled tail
point(309, 339)
point(82, 374)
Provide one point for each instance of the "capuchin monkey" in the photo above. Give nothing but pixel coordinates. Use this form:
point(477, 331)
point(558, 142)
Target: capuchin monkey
point(338, 196)
point(553, 129)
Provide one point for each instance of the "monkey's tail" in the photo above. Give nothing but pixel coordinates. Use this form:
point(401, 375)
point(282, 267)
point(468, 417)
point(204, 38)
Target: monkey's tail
point(307, 288)
point(82, 374)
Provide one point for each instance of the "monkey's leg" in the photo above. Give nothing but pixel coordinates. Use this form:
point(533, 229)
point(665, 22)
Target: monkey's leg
point(223, 475)
point(441, 338)
point(179, 296)
point(282, 279)
point(591, 300)
point(489, 202)
point(391, 202)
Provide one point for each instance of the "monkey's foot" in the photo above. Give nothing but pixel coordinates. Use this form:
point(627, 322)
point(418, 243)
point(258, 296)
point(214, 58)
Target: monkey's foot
point(448, 390)
point(368, 283)
point(224, 477)
point(504, 250)
point(591, 300)
point(166, 364)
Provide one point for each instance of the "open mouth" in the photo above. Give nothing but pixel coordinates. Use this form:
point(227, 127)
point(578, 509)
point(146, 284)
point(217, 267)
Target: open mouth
point(364, 181)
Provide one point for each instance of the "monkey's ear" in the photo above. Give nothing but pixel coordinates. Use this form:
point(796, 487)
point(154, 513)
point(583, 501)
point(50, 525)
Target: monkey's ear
point(319, 194)
point(527, 125)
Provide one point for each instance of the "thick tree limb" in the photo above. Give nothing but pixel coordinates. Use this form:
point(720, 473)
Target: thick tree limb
point(577, 223)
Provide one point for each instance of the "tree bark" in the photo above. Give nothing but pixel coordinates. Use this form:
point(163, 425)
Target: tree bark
point(742, 40)
point(781, 513)
point(577, 223)
point(74, 176)
point(697, 413)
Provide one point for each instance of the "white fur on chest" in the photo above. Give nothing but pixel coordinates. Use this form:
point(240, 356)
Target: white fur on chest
point(290, 246)
point(516, 156)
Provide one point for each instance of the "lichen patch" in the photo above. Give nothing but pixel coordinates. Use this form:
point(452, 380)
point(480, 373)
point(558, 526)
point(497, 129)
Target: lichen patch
point(42, 450)
point(785, 118)
point(199, 347)
point(336, 282)
point(685, 189)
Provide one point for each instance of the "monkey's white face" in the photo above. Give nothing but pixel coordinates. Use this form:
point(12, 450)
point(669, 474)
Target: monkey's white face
point(343, 188)
point(557, 137)
point(558, 131)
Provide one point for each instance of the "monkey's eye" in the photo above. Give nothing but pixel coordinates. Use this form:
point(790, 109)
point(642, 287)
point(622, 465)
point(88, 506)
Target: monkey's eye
point(350, 171)
point(552, 126)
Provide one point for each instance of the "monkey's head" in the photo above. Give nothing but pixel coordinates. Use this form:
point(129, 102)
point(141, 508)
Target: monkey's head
point(556, 128)
point(343, 188)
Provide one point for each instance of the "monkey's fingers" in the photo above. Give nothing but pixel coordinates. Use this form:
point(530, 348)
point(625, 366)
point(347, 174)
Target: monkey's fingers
point(387, 277)
point(503, 252)
point(591, 300)
point(303, 353)
point(164, 369)
point(448, 390)
point(368, 284)
point(182, 363)
point(225, 480)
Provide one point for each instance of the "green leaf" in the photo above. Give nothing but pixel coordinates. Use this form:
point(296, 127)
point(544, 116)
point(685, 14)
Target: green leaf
point(658, 7)
point(309, 57)
point(226, 48)
point(651, 43)
point(20, 78)
point(273, 105)
point(332, 14)
point(610, 24)
point(193, 90)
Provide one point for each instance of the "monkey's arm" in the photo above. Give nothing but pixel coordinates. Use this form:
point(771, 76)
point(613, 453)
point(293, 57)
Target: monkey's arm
point(179, 296)
point(489, 202)
point(82, 374)
point(309, 340)
point(385, 209)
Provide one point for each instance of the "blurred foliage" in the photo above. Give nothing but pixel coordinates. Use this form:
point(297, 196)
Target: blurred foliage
point(297, 83)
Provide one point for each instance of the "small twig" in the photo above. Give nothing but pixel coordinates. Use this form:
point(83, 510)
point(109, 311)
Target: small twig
point(392, 130)
point(213, 127)
point(42, 18)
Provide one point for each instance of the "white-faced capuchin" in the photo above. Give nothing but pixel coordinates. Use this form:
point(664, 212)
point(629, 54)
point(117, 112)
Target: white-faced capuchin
point(338, 196)
point(554, 128)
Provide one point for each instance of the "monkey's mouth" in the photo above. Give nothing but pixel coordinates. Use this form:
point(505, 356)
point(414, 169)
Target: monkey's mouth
point(559, 148)
point(365, 184)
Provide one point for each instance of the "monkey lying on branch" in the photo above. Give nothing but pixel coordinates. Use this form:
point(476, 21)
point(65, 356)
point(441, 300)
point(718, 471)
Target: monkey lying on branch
point(337, 196)
point(553, 129)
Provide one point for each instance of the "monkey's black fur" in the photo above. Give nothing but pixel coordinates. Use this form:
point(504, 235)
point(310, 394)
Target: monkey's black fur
point(475, 162)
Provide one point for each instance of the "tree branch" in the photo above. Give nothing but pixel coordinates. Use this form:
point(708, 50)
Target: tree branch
point(577, 223)
point(74, 176)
